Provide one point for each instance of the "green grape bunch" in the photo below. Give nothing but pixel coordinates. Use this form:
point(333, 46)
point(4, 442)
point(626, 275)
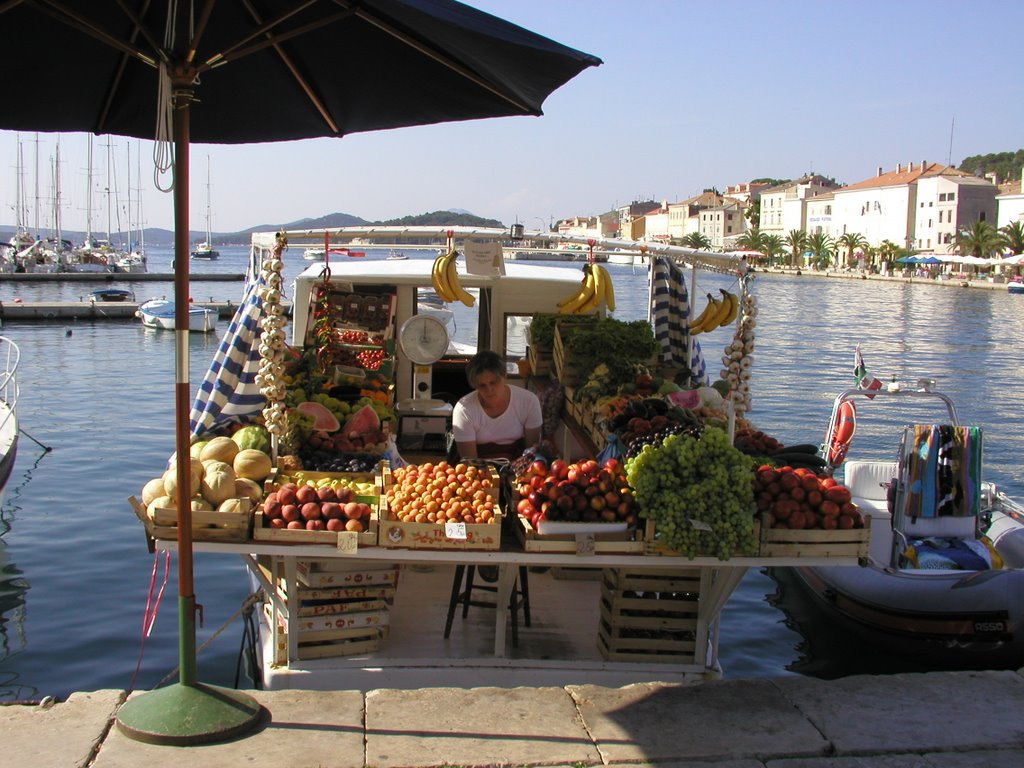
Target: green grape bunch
point(699, 492)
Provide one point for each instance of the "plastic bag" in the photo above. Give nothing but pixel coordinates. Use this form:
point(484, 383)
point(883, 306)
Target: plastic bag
point(391, 454)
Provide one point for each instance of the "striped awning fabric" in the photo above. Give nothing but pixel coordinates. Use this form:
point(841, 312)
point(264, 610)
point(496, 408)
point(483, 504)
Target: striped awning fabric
point(670, 309)
point(229, 393)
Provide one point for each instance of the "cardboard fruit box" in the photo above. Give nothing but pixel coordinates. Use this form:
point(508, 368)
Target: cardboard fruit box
point(396, 534)
point(207, 525)
point(343, 540)
point(589, 540)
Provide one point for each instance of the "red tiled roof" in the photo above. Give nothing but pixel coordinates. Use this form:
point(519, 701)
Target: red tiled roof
point(907, 176)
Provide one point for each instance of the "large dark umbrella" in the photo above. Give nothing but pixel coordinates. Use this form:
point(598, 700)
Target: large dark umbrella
point(242, 71)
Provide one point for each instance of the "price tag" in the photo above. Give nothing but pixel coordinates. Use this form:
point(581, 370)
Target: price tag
point(348, 542)
point(585, 544)
point(455, 531)
point(700, 525)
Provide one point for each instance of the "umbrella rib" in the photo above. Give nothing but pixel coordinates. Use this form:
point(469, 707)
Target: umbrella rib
point(443, 60)
point(64, 15)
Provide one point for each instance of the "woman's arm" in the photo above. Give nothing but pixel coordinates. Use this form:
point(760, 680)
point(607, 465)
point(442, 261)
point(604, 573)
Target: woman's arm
point(531, 436)
point(466, 450)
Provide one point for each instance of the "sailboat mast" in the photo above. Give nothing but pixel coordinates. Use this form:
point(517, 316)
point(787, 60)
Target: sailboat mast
point(209, 233)
point(88, 198)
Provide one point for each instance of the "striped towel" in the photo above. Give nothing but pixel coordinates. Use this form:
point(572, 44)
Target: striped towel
point(229, 393)
point(670, 309)
point(942, 470)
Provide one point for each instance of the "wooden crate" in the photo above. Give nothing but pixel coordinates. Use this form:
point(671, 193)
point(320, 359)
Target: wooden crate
point(617, 542)
point(395, 534)
point(649, 615)
point(207, 525)
point(320, 574)
point(542, 361)
point(783, 542)
point(328, 643)
point(345, 540)
point(566, 371)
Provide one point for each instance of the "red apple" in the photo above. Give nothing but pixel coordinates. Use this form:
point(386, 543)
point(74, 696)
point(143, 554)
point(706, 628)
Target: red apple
point(588, 467)
point(611, 498)
point(581, 502)
point(539, 468)
point(559, 469)
point(565, 502)
point(524, 507)
point(597, 503)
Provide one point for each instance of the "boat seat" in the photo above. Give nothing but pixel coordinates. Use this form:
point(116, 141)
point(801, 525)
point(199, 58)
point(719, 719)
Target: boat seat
point(869, 483)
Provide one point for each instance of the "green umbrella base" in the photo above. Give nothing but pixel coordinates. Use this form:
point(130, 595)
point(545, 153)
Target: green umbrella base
point(183, 715)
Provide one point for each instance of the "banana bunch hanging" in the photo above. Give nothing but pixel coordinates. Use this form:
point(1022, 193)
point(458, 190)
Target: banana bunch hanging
point(595, 288)
point(738, 360)
point(445, 280)
point(716, 313)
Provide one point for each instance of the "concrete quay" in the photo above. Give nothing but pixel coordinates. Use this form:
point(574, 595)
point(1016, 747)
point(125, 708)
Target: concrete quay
point(933, 720)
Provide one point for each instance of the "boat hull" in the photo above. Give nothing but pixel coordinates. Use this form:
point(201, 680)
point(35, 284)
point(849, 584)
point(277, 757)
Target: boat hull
point(160, 314)
point(951, 619)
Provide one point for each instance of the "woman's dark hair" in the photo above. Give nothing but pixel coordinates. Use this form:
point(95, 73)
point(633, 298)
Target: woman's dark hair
point(484, 362)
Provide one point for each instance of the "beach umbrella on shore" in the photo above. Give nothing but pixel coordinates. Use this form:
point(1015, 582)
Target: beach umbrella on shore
point(179, 71)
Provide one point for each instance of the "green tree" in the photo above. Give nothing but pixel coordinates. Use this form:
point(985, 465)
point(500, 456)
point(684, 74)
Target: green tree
point(980, 239)
point(773, 245)
point(751, 240)
point(1014, 234)
point(887, 251)
point(822, 248)
point(851, 241)
point(796, 241)
point(697, 240)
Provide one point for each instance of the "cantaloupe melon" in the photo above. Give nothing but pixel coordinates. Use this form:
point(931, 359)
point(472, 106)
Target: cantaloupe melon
point(252, 464)
point(218, 482)
point(246, 488)
point(220, 448)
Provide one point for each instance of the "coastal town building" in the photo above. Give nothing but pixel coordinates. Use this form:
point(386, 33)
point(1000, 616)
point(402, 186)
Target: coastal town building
point(684, 216)
point(723, 223)
point(784, 206)
point(1010, 202)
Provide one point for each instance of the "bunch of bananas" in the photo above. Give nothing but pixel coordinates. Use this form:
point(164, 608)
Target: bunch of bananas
point(595, 288)
point(716, 313)
point(445, 280)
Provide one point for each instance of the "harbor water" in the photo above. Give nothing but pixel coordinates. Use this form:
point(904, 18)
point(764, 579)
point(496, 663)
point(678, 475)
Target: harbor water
point(75, 574)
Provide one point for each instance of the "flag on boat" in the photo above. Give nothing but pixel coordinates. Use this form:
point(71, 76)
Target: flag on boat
point(670, 309)
point(861, 376)
point(229, 393)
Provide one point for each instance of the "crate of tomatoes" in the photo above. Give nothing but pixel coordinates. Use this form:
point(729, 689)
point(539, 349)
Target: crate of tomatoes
point(804, 514)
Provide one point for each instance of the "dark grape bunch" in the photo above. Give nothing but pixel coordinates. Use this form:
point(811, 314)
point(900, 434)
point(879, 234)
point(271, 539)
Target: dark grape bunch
point(657, 436)
point(324, 461)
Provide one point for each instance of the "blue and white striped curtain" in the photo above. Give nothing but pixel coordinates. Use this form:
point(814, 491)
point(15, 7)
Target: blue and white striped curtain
point(229, 393)
point(670, 309)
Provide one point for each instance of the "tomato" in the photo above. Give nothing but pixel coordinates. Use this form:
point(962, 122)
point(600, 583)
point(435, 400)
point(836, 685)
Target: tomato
point(809, 482)
point(814, 498)
point(829, 508)
point(828, 482)
point(846, 522)
point(796, 520)
point(830, 523)
point(767, 476)
point(798, 494)
point(840, 494)
point(789, 481)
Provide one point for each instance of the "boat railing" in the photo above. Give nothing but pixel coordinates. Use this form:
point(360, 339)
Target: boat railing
point(10, 355)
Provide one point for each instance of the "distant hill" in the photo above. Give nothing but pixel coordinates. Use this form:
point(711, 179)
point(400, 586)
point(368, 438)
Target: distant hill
point(1006, 165)
point(165, 237)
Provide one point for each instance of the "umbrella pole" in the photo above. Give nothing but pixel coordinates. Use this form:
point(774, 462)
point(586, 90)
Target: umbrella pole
point(188, 712)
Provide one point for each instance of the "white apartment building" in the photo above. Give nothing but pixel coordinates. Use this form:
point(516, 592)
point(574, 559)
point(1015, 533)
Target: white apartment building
point(1010, 203)
point(783, 207)
point(723, 221)
point(684, 216)
point(920, 206)
point(656, 224)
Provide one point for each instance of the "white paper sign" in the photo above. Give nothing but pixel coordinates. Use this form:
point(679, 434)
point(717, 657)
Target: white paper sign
point(484, 258)
point(585, 544)
point(348, 542)
point(455, 530)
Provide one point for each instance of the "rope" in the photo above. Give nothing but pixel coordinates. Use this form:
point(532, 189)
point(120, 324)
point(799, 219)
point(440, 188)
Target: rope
point(152, 606)
point(163, 147)
point(250, 601)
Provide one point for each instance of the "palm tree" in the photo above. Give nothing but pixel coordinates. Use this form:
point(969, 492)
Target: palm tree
point(887, 251)
point(851, 241)
point(980, 239)
point(751, 240)
point(796, 240)
point(697, 240)
point(822, 247)
point(1014, 234)
point(773, 246)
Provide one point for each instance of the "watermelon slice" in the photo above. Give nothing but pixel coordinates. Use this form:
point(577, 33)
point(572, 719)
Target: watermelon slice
point(362, 422)
point(323, 419)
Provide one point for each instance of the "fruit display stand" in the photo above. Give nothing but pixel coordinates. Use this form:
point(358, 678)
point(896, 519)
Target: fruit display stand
point(332, 608)
point(342, 539)
point(588, 540)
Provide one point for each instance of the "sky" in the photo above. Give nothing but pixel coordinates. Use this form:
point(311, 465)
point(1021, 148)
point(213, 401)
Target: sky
point(691, 95)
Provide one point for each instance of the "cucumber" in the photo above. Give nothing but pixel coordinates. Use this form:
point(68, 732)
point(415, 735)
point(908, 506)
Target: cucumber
point(798, 459)
point(810, 448)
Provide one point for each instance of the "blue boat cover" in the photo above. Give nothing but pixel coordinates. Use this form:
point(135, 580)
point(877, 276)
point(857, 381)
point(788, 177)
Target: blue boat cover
point(229, 393)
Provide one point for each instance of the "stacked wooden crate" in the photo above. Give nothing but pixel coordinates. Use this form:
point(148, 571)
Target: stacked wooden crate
point(343, 608)
point(650, 616)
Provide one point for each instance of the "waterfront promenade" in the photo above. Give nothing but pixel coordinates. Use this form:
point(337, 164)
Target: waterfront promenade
point(933, 720)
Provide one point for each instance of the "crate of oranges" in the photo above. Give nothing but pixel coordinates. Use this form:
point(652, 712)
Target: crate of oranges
point(440, 506)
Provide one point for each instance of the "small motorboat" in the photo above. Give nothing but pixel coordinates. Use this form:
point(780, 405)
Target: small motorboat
point(394, 255)
point(205, 252)
point(160, 313)
point(112, 294)
point(944, 579)
point(10, 356)
point(1015, 287)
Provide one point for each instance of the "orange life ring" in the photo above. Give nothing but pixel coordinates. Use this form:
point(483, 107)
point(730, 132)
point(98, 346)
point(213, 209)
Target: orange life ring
point(842, 430)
